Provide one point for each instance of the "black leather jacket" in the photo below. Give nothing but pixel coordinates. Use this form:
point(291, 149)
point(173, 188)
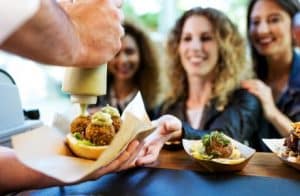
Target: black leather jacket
point(239, 119)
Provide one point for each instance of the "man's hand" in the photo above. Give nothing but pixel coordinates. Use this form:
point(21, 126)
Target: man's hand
point(98, 25)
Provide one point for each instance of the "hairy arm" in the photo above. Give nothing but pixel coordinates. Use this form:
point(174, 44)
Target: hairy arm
point(48, 37)
point(14, 176)
point(83, 34)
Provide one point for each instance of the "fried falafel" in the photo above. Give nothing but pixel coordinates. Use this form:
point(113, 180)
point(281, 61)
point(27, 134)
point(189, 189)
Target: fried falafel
point(79, 125)
point(115, 116)
point(101, 130)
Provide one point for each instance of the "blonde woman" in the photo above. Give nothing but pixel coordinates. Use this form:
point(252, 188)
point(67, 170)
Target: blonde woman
point(207, 63)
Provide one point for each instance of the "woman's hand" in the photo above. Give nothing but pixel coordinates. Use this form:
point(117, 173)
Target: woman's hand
point(264, 93)
point(168, 127)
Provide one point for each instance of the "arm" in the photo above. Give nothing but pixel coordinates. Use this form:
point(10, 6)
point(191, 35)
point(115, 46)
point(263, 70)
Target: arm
point(263, 92)
point(15, 176)
point(85, 33)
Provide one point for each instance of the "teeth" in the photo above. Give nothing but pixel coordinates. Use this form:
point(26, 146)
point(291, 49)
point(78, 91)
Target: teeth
point(265, 40)
point(196, 59)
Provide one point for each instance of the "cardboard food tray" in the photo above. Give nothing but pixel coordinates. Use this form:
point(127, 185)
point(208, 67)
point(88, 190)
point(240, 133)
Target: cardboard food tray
point(44, 149)
point(213, 166)
point(276, 146)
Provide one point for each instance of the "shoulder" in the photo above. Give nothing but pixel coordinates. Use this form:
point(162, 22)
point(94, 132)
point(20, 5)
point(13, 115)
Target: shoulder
point(243, 96)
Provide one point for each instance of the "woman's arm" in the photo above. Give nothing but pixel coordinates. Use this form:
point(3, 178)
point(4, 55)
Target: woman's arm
point(263, 92)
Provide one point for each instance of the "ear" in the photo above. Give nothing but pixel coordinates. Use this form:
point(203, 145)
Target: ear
point(295, 36)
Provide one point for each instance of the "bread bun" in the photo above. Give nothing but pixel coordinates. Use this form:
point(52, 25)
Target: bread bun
point(82, 150)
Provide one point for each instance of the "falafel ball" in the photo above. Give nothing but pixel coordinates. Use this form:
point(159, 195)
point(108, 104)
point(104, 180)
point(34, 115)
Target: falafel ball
point(100, 135)
point(100, 131)
point(116, 123)
point(115, 116)
point(79, 125)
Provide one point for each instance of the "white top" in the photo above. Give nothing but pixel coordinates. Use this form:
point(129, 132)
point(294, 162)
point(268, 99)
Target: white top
point(121, 103)
point(14, 13)
point(195, 116)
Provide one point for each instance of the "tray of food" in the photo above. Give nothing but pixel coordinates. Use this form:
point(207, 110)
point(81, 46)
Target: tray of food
point(287, 149)
point(217, 152)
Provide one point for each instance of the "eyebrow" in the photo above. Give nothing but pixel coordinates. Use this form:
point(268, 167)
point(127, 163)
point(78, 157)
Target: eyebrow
point(269, 15)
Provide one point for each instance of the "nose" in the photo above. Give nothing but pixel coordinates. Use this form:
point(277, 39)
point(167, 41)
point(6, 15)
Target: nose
point(122, 57)
point(262, 27)
point(196, 44)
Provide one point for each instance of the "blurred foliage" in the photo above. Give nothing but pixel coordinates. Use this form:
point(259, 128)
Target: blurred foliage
point(237, 9)
point(150, 20)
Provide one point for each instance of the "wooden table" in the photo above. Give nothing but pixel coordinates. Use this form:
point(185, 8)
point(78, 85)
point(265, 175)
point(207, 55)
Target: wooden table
point(261, 164)
point(174, 175)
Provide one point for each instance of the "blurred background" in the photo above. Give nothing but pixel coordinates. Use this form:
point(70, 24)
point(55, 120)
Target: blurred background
point(40, 86)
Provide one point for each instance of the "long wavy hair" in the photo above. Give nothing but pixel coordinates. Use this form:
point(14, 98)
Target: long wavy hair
point(147, 76)
point(231, 66)
point(259, 61)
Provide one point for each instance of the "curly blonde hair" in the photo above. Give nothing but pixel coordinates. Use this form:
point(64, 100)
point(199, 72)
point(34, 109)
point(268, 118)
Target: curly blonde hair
point(147, 76)
point(231, 67)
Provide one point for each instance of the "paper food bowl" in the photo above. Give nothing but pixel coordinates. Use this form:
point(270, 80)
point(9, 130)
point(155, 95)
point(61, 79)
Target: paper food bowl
point(276, 146)
point(215, 165)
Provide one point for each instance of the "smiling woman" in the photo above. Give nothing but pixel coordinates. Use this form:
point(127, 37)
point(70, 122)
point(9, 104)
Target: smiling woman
point(134, 68)
point(207, 61)
point(276, 63)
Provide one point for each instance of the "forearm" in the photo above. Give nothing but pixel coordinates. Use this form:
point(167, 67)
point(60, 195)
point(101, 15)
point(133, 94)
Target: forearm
point(281, 122)
point(14, 176)
point(49, 37)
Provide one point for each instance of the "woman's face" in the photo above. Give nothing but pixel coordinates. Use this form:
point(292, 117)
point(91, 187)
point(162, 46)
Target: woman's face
point(126, 63)
point(270, 28)
point(198, 49)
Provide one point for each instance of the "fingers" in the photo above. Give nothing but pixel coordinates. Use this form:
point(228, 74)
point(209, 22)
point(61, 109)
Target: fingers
point(168, 124)
point(150, 156)
point(117, 163)
point(254, 86)
point(130, 162)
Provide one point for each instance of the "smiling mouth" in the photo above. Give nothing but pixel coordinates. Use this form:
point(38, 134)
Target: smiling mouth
point(264, 41)
point(196, 60)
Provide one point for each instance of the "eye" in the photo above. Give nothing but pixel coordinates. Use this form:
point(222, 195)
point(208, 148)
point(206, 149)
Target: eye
point(254, 22)
point(274, 19)
point(129, 51)
point(206, 38)
point(186, 38)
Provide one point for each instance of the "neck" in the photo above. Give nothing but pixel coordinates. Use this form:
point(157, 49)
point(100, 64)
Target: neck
point(199, 92)
point(279, 65)
point(123, 88)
